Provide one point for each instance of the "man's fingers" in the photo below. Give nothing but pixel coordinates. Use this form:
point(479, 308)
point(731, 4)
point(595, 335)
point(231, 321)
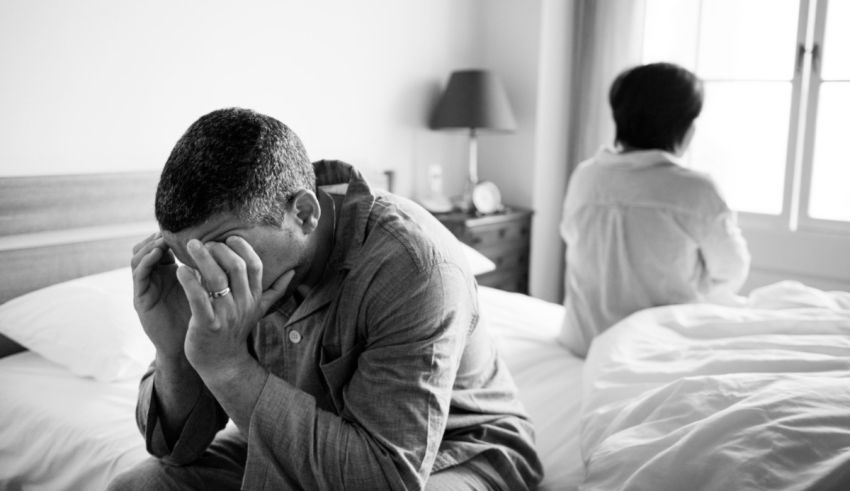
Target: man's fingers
point(275, 291)
point(199, 300)
point(213, 275)
point(142, 249)
point(253, 264)
point(146, 263)
point(235, 268)
point(143, 268)
point(147, 240)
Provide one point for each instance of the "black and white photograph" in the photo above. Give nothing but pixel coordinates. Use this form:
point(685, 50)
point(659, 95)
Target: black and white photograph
point(439, 245)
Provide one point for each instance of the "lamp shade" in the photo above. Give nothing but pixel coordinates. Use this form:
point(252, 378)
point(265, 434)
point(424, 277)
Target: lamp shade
point(473, 99)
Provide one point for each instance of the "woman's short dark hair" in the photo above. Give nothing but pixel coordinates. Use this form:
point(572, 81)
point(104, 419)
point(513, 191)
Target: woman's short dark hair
point(654, 105)
point(232, 160)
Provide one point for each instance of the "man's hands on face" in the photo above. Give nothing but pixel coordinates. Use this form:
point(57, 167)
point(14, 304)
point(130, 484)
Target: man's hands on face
point(216, 341)
point(158, 298)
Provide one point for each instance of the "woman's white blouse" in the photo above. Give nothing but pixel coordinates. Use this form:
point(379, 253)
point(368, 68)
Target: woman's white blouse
point(641, 231)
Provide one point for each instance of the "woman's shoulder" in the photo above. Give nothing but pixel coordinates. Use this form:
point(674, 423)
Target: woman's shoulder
point(698, 188)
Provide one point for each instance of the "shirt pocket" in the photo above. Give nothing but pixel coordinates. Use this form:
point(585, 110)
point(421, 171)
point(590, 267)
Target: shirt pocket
point(337, 373)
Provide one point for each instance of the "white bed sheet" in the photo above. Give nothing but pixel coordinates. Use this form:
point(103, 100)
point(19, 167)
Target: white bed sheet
point(548, 376)
point(71, 432)
point(705, 397)
point(61, 431)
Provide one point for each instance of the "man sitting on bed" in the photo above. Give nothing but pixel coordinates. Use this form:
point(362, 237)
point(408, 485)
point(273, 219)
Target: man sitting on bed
point(335, 325)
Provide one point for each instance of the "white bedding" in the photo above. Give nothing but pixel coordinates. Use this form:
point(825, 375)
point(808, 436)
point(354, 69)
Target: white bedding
point(709, 397)
point(62, 431)
point(547, 375)
point(681, 397)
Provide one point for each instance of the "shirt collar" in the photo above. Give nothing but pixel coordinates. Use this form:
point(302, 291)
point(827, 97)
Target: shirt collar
point(353, 199)
point(339, 178)
point(637, 158)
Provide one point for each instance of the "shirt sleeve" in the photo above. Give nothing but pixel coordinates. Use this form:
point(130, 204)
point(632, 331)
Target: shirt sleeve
point(203, 422)
point(725, 254)
point(395, 405)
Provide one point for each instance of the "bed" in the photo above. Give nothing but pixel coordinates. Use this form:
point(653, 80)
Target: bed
point(75, 415)
point(748, 396)
point(755, 396)
point(67, 401)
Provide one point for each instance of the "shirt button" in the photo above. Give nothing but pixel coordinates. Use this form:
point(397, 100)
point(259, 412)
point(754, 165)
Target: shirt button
point(295, 336)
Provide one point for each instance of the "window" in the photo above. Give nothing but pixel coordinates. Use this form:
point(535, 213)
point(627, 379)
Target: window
point(830, 179)
point(776, 122)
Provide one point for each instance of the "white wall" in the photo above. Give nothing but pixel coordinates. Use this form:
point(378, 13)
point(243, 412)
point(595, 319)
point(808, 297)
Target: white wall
point(105, 85)
point(816, 258)
point(510, 42)
point(529, 44)
point(552, 146)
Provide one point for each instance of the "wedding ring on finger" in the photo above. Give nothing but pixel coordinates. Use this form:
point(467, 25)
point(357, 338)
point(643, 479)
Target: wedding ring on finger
point(220, 293)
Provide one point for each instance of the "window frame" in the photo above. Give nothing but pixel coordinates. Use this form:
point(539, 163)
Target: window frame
point(806, 83)
point(814, 57)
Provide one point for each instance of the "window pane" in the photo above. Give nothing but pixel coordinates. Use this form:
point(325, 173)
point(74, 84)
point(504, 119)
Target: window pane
point(836, 43)
point(830, 191)
point(741, 140)
point(748, 39)
point(670, 32)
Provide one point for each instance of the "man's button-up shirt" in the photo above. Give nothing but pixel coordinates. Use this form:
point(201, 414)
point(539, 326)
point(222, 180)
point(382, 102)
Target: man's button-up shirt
point(382, 374)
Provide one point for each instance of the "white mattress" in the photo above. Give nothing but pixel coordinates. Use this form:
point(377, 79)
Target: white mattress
point(61, 431)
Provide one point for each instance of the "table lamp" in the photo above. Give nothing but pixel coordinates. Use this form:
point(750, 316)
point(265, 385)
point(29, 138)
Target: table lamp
point(474, 100)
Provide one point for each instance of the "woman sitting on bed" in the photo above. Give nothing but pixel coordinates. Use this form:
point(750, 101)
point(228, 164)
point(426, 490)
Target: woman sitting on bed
point(641, 229)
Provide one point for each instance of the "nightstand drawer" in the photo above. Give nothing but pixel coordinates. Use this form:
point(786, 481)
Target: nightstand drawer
point(507, 256)
point(504, 238)
point(496, 233)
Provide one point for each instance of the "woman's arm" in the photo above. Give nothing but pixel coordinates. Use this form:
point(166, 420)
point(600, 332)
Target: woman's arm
point(725, 253)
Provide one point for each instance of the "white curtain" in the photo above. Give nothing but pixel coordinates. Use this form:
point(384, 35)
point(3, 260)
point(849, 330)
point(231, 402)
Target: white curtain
point(584, 44)
point(610, 39)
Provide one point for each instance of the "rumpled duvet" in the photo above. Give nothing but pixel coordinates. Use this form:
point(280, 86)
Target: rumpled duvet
point(709, 397)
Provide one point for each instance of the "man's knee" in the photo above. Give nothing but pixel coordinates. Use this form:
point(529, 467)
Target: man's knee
point(210, 473)
point(153, 474)
point(143, 476)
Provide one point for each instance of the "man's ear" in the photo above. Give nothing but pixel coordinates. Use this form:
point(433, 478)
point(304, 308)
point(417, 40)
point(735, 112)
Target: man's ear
point(306, 210)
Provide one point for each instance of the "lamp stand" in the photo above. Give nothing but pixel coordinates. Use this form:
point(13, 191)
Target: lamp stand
point(472, 173)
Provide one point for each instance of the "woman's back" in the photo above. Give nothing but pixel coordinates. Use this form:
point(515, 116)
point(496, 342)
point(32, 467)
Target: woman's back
point(642, 231)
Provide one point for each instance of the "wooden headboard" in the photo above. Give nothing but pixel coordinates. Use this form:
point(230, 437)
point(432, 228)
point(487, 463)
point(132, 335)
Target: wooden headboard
point(55, 228)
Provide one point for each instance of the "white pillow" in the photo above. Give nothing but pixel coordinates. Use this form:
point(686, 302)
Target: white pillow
point(479, 263)
point(87, 325)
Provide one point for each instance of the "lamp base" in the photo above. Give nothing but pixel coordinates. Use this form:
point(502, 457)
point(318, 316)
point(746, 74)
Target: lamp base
point(464, 202)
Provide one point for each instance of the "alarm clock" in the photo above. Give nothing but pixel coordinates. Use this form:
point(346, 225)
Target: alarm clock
point(486, 197)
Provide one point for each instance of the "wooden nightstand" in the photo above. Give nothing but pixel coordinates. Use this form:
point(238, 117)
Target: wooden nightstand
point(503, 237)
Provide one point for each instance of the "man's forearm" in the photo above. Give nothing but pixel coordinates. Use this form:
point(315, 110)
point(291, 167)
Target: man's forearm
point(237, 387)
point(177, 387)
